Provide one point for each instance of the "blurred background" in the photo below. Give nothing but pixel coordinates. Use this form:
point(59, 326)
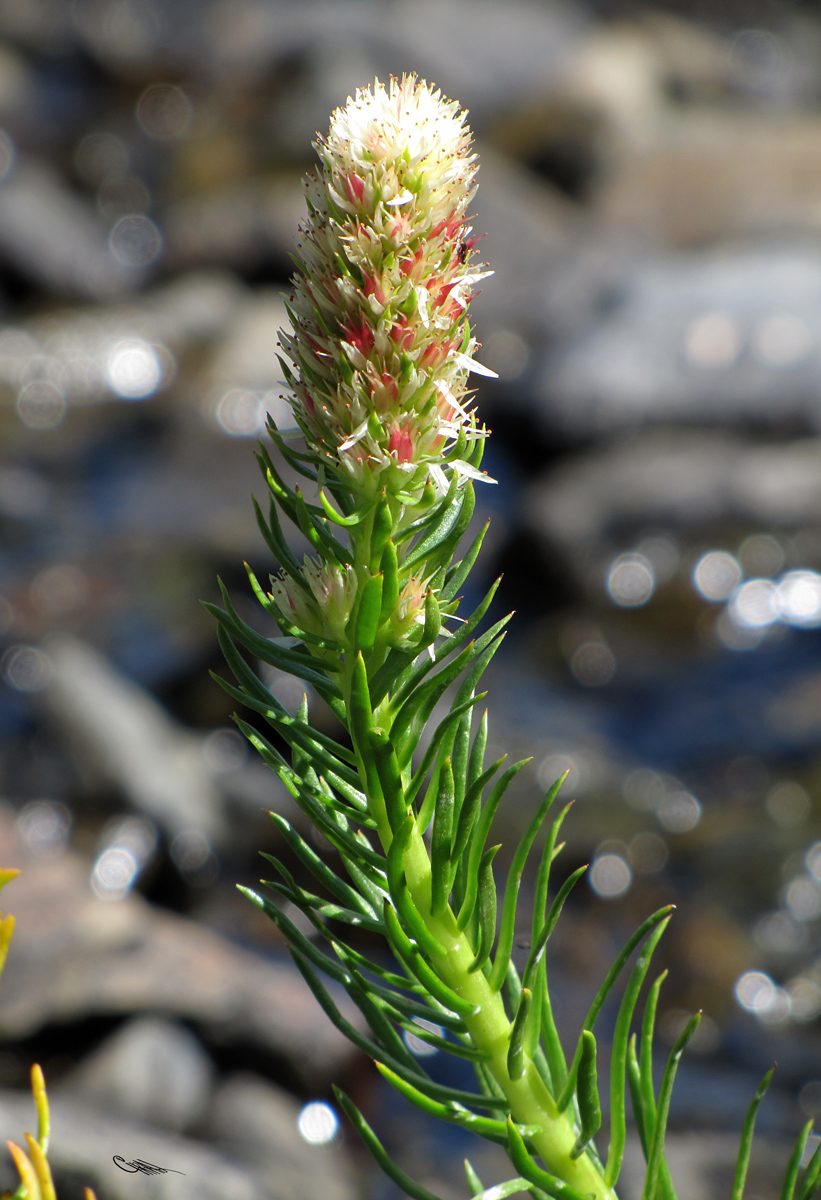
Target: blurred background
point(650, 189)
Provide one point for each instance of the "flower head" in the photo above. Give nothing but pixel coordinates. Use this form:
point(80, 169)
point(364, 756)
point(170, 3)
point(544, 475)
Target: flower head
point(381, 347)
point(325, 606)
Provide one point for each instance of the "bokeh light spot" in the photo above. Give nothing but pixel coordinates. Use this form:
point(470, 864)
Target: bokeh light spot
point(716, 575)
point(317, 1123)
point(630, 580)
point(135, 241)
point(133, 369)
point(610, 876)
point(41, 404)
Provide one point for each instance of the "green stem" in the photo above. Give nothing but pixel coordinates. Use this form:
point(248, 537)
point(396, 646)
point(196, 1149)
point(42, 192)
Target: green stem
point(490, 1029)
point(530, 1101)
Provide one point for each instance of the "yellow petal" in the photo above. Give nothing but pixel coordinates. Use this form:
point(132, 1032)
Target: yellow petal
point(7, 874)
point(42, 1169)
point(6, 930)
point(28, 1175)
point(38, 1089)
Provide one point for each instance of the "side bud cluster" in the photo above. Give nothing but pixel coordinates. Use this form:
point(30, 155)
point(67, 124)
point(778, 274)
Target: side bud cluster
point(381, 347)
point(324, 605)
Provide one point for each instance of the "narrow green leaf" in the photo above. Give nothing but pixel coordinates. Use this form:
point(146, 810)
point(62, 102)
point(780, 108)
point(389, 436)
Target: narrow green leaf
point(367, 617)
point(350, 522)
point(812, 1176)
point(486, 908)
point(479, 836)
point(487, 1127)
point(440, 738)
point(381, 530)
point(295, 937)
point(366, 1044)
point(268, 650)
point(408, 954)
point(618, 1058)
point(525, 1165)
point(543, 873)
point(316, 908)
point(338, 834)
point(647, 1032)
point(460, 757)
point(460, 571)
point(471, 809)
point(441, 840)
point(474, 1182)
point(437, 535)
point(637, 1099)
point(747, 1131)
point(343, 892)
point(538, 948)
point(656, 1156)
point(414, 1190)
point(271, 531)
point(514, 879)
point(390, 581)
point(390, 777)
point(433, 620)
point(394, 672)
point(322, 541)
point(516, 1051)
point(603, 992)
point(501, 1190)
point(794, 1164)
point(587, 1094)
point(430, 519)
point(374, 1011)
point(409, 915)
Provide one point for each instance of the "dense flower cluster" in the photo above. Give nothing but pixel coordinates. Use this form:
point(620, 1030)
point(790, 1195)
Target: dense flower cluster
point(381, 348)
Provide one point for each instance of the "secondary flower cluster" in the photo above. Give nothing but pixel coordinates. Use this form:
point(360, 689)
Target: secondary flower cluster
point(381, 347)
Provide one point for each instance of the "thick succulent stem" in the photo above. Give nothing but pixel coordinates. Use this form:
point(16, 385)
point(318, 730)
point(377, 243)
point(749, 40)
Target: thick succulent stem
point(490, 1027)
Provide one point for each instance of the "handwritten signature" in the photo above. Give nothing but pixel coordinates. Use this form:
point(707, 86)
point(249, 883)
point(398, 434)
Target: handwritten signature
point(137, 1165)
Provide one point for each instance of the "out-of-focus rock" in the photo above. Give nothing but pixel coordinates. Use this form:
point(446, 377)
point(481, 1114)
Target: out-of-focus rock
point(551, 268)
point(151, 1071)
point(132, 740)
point(711, 173)
point(84, 1140)
point(236, 225)
point(686, 478)
point(243, 383)
point(486, 56)
point(256, 1123)
point(75, 955)
point(52, 238)
point(710, 338)
point(702, 1166)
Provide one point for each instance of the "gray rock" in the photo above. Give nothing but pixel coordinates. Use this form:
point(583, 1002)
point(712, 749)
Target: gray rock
point(725, 336)
point(151, 1071)
point(702, 1166)
point(84, 1140)
point(75, 955)
point(682, 477)
point(55, 240)
point(485, 56)
point(132, 740)
point(256, 1123)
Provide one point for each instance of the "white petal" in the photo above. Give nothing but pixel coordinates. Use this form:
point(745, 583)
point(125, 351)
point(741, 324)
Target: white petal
point(462, 468)
point(402, 198)
point(470, 364)
point(356, 436)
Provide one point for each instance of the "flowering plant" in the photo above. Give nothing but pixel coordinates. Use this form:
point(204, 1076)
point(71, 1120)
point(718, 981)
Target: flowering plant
point(378, 362)
point(33, 1168)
